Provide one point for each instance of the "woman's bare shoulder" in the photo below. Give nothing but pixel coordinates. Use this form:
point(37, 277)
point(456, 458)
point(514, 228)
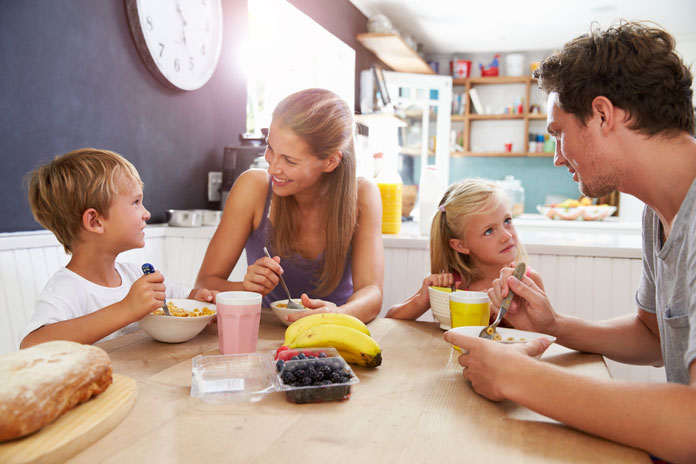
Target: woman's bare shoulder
point(368, 193)
point(249, 190)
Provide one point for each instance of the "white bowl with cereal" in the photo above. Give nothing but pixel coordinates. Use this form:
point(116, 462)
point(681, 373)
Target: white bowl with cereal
point(188, 318)
point(507, 335)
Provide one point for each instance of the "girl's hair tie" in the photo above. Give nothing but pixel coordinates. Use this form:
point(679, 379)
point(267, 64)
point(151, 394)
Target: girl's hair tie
point(442, 208)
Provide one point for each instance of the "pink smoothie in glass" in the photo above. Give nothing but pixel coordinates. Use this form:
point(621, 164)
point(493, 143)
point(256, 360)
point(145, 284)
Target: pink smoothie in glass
point(238, 315)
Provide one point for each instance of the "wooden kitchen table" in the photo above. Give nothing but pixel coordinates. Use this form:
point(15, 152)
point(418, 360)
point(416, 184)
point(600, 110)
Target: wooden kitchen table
point(416, 407)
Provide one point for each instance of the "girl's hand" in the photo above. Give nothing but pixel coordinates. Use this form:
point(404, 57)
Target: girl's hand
point(262, 276)
point(443, 279)
point(203, 294)
point(314, 306)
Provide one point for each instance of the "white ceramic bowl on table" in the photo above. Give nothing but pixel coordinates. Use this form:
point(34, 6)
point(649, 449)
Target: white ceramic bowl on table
point(508, 335)
point(439, 304)
point(280, 308)
point(177, 329)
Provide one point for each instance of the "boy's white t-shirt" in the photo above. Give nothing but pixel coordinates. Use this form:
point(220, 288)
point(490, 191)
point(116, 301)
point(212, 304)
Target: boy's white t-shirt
point(68, 295)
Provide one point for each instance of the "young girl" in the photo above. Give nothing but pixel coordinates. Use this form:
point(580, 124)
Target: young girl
point(321, 223)
point(471, 239)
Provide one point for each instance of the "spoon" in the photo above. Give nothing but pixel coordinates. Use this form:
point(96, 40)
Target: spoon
point(291, 303)
point(149, 269)
point(490, 332)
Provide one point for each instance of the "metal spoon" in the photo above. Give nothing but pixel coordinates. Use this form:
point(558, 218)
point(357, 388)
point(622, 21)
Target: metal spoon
point(490, 332)
point(149, 269)
point(291, 303)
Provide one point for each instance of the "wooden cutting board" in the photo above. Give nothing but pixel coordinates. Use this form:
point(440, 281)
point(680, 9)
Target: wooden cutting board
point(76, 429)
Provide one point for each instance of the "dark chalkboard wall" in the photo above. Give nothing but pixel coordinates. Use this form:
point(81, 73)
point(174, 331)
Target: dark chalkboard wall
point(71, 77)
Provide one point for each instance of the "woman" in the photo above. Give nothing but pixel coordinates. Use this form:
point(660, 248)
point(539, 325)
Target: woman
point(311, 212)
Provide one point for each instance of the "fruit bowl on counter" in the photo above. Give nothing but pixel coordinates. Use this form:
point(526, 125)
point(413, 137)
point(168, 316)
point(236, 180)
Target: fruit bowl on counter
point(577, 213)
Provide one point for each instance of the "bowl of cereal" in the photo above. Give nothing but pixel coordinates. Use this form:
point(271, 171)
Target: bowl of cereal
point(280, 308)
point(188, 318)
point(507, 335)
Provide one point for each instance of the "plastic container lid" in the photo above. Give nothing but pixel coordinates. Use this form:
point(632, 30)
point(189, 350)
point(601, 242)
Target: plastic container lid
point(250, 377)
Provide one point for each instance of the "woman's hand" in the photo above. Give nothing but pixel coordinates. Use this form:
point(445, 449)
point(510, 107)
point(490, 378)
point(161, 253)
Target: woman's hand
point(203, 294)
point(314, 306)
point(530, 308)
point(262, 276)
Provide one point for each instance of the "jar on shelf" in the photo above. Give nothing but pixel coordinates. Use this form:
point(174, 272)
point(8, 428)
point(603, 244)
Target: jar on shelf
point(515, 193)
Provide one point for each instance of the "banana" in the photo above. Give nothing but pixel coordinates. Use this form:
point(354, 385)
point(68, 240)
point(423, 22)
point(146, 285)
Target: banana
point(305, 323)
point(354, 346)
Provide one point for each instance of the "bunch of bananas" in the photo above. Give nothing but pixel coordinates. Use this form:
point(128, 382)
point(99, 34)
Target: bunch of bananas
point(346, 333)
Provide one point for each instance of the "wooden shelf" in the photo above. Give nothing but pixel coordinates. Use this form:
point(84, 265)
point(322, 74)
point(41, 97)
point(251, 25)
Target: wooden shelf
point(525, 116)
point(395, 53)
point(494, 80)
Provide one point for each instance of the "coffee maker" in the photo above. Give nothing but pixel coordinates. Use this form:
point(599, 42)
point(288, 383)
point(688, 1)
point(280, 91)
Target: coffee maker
point(237, 159)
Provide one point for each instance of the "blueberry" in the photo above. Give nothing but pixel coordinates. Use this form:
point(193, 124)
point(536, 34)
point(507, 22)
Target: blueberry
point(301, 356)
point(288, 378)
point(322, 354)
point(279, 365)
point(294, 358)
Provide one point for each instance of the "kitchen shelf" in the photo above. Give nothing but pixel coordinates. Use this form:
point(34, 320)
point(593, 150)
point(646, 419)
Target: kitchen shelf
point(468, 116)
point(393, 51)
point(508, 154)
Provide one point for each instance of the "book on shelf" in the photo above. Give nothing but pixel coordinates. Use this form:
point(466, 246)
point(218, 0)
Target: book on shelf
point(476, 101)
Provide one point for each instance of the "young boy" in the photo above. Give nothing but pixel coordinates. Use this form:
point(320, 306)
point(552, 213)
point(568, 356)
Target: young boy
point(92, 200)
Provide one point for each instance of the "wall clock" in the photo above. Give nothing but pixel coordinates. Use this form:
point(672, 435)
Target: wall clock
point(179, 40)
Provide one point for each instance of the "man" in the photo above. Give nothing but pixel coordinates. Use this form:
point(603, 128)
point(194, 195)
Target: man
point(620, 107)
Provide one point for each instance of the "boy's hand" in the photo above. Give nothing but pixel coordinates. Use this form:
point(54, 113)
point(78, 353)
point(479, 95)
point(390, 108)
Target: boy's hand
point(145, 295)
point(203, 294)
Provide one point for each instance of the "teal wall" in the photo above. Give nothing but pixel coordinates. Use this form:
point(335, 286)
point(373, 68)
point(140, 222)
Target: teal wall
point(538, 176)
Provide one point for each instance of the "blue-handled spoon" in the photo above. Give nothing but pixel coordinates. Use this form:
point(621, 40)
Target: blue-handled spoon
point(149, 269)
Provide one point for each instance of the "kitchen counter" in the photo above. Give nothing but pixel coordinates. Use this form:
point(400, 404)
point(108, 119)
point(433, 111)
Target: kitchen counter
point(416, 407)
point(540, 235)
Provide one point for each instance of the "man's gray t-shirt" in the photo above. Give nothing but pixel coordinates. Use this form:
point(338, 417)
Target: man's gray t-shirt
point(668, 285)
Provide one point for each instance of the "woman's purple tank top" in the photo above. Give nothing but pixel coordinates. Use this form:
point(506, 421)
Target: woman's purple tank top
point(299, 272)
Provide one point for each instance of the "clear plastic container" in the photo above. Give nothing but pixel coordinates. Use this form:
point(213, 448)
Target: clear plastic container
point(250, 377)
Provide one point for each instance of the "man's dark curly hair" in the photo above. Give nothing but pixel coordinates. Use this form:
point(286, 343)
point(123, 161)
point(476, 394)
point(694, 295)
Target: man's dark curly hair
point(633, 64)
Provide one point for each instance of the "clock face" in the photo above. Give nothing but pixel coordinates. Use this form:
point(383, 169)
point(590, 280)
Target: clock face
point(179, 40)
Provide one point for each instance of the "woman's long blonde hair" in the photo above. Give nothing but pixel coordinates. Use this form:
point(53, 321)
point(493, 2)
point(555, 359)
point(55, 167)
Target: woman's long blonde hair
point(460, 202)
point(325, 123)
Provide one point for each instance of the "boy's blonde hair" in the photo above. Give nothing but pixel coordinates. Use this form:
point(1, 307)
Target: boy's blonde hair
point(62, 190)
point(460, 202)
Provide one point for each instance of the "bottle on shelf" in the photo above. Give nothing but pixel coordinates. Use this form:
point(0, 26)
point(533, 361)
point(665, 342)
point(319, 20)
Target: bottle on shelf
point(429, 195)
point(391, 190)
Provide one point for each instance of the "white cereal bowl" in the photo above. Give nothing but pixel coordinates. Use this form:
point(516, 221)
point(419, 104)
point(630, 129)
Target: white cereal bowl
point(177, 329)
point(280, 308)
point(509, 336)
point(439, 304)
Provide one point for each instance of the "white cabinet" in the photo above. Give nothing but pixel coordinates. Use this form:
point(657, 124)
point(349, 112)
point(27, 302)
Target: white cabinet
point(424, 102)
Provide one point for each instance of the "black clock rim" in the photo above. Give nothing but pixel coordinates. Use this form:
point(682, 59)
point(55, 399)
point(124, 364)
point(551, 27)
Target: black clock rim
point(135, 27)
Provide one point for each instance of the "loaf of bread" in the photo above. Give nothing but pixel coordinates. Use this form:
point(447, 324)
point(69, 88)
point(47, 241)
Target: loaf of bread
point(42, 382)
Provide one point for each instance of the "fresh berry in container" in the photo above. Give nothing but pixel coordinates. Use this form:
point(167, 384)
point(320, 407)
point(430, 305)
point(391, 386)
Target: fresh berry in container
point(312, 375)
